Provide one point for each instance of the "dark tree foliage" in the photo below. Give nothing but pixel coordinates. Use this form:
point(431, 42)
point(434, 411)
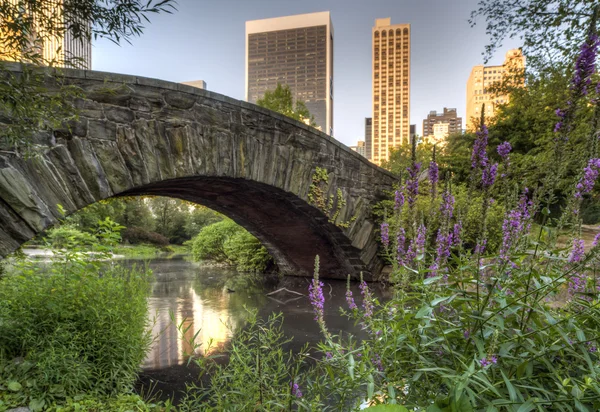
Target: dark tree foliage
point(551, 31)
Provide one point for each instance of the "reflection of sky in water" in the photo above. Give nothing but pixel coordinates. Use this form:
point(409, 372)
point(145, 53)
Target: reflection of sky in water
point(196, 297)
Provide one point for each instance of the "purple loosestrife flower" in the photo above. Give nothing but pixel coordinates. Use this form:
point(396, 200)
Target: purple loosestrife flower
point(561, 115)
point(295, 390)
point(516, 224)
point(590, 174)
point(504, 150)
point(385, 234)
point(596, 240)
point(447, 206)
point(433, 175)
point(399, 200)
point(479, 155)
point(401, 250)
point(456, 231)
point(412, 184)
point(480, 247)
point(486, 362)
point(585, 65)
point(350, 300)
point(577, 284)
point(489, 175)
point(421, 231)
point(577, 252)
point(317, 300)
point(367, 299)
point(315, 295)
point(328, 355)
point(377, 363)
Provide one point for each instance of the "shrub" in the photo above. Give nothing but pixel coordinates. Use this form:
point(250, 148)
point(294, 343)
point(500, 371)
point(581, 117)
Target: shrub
point(136, 235)
point(78, 325)
point(227, 242)
point(66, 236)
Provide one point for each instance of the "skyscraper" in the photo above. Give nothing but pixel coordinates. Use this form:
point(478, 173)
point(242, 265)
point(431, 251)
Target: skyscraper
point(368, 136)
point(481, 78)
point(391, 88)
point(448, 117)
point(296, 51)
point(60, 50)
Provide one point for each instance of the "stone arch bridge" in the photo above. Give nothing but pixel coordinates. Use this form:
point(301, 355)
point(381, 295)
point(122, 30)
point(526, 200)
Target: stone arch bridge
point(140, 136)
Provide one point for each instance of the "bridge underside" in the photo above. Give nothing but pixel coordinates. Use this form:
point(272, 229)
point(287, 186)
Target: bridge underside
point(292, 231)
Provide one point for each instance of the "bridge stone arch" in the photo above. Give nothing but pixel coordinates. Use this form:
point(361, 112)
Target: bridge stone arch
point(140, 136)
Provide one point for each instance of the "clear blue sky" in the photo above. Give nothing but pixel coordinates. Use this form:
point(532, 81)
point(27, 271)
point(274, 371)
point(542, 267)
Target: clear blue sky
point(204, 40)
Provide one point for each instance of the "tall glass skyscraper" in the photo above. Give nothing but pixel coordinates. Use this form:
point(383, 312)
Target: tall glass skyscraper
point(296, 51)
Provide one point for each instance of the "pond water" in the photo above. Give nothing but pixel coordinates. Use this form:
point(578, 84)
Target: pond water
point(212, 302)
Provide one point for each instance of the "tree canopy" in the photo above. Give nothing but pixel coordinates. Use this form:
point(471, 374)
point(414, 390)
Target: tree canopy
point(281, 101)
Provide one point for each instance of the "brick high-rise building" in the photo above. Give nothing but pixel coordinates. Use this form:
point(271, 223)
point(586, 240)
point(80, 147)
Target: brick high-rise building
point(391, 88)
point(481, 78)
point(448, 117)
point(296, 51)
point(59, 50)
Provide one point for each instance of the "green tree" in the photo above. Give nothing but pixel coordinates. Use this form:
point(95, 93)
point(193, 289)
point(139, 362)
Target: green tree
point(198, 218)
point(136, 213)
point(552, 31)
point(400, 157)
point(26, 26)
point(169, 218)
point(281, 100)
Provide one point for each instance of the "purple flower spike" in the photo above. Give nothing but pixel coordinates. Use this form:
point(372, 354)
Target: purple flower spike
point(399, 201)
point(504, 150)
point(317, 300)
point(577, 252)
point(350, 300)
point(295, 390)
point(590, 174)
point(447, 206)
point(401, 251)
point(489, 175)
point(456, 231)
point(479, 156)
point(367, 299)
point(412, 184)
point(561, 115)
point(585, 65)
point(385, 234)
point(433, 173)
point(596, 240)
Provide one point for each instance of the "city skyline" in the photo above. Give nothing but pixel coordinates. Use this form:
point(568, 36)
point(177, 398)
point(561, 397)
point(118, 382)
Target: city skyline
point(183, 46)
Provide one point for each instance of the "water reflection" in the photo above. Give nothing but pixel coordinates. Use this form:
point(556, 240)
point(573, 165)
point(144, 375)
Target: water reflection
point(197, 298)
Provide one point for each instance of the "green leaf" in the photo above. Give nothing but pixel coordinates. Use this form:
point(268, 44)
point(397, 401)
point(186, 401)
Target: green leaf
point(14, 386)
point(424, 311)
point(431, 280)
point(36, 405)
point(512, 393)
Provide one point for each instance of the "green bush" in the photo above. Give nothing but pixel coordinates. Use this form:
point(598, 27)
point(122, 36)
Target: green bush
point(67, 235)
point(226, 242)
point(76, 326)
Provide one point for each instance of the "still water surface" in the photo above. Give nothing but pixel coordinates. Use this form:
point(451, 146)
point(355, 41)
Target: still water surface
point(197, 298)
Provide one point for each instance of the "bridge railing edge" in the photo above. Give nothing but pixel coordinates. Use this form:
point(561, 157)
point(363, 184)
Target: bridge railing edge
point(179, 87)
